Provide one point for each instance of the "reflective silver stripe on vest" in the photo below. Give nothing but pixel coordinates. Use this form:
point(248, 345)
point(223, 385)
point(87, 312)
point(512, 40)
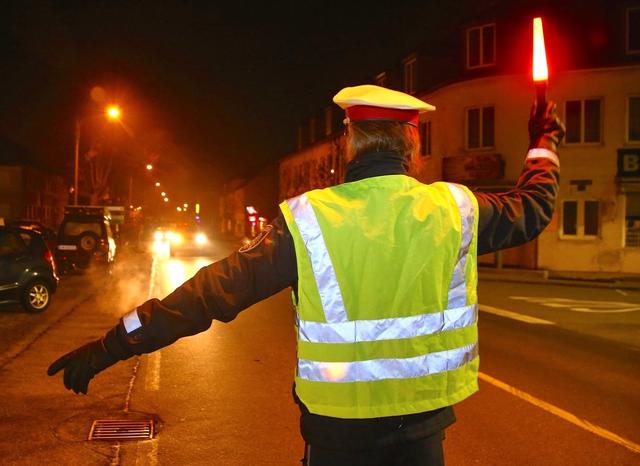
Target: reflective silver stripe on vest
point(387, 329)
point(380, 369)
point(458, 286)
point(323, 271)
point(131, 321)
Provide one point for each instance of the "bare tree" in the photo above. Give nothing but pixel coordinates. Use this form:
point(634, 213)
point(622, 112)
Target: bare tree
point(99, 168)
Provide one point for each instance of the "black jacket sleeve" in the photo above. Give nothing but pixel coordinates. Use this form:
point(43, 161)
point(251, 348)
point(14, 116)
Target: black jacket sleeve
point(218, 291)
point(514, 217)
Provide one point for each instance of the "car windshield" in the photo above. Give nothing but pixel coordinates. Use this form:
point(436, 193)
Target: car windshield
point(76, 228)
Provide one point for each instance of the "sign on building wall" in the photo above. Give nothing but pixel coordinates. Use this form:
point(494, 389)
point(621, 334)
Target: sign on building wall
point(629, 163)
point(475, 167)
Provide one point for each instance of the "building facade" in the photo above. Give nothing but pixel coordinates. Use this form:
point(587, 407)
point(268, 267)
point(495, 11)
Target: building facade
point(478, 75)
point(247, 205)
point(29, 193)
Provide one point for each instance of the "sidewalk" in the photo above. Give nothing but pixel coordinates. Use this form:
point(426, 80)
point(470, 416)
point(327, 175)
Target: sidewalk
point(586, 279)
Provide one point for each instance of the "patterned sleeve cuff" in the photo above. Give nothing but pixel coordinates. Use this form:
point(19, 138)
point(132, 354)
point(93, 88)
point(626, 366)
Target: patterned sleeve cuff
point(540, 153)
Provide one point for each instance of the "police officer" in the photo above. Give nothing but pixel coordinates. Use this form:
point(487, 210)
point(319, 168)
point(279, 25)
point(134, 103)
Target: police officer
point(384, 274)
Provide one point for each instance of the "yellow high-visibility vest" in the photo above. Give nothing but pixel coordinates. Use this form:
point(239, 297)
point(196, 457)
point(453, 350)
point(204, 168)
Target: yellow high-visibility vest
point(386, 303)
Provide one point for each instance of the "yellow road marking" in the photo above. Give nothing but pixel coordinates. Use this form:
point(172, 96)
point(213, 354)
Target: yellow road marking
point(561, 413)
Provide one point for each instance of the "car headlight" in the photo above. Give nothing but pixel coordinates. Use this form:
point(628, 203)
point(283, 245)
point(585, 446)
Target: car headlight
point(201, 238)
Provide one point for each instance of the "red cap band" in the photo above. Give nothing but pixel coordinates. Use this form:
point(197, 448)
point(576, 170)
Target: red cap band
point(367, 112)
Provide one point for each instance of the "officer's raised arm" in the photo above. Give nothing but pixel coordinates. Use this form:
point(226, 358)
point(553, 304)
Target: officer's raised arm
point(514, 217)
point(218, 291)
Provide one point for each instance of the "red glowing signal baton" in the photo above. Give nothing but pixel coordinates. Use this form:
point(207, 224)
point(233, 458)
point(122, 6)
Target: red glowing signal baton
point(540, 70)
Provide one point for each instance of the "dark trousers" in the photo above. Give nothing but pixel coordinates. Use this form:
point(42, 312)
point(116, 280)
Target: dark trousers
point(423, 452)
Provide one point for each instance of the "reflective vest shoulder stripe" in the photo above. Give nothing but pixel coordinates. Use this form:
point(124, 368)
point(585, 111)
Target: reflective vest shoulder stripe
point(323, 270)
point(380, 369)
point(458, 286)
point(388, 329)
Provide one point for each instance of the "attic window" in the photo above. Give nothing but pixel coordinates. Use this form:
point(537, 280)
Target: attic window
point(481, 46)
point(410, 75)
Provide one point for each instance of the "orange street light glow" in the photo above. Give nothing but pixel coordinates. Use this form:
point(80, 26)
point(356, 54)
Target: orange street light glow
point(149, 166)
point(540, 70)
point(163, 194)
point(166, 199)
point(157, 184)
point(113, 112)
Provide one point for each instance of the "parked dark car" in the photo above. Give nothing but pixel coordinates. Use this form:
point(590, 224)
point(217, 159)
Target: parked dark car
point(27, 271)
point(85, 239)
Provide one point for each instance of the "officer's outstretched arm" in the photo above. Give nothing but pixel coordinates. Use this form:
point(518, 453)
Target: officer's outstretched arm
point(516, 216)
point(218, 291)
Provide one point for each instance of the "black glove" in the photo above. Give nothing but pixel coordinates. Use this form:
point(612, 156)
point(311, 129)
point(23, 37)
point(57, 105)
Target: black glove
point(545, 130)
point(82, 364)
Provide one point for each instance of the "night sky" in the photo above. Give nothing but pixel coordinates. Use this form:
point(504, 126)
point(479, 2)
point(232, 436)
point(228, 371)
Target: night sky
point(214, 91)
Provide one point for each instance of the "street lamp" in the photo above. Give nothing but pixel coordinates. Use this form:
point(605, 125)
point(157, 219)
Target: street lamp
point(113, 114)
point(149, 167)
point(157, 184)
point(163, 194)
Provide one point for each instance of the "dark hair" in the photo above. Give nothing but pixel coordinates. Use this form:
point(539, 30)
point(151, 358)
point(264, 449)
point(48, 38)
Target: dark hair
point(382, 136)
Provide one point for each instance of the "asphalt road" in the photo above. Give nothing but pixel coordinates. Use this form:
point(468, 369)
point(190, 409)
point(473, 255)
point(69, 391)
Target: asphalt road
point(560, 383)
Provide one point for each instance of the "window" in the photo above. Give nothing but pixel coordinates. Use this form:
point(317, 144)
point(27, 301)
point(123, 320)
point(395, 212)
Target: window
point(633, 134)
point(381, 80)
point(580, 218)
point(425, 138)
point(583, 120)
point(10, 243)
point(77, 228)
point(481, 46)
point(633, 30)
point(632, 218)
point(480, 127)
point(410, 75)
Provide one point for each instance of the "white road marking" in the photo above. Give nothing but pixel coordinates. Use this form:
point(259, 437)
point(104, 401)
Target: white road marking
point(513, 315)
point(623, 293)
point(152, 380)
point(582, 305)
point(561, 413)
point(147, 452)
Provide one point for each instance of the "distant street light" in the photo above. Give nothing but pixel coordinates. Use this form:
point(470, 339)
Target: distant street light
point(166, 199)
point(149, 167)
point(163, 194)
point(113, 114)
point(157, 184)
point(179, 209)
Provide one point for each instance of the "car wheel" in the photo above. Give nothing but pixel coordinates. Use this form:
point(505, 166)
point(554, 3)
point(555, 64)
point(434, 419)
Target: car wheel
point(88, 241)
point(36, 296)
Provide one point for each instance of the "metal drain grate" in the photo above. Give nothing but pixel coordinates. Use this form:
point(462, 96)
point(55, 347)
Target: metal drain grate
point(118, 429)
